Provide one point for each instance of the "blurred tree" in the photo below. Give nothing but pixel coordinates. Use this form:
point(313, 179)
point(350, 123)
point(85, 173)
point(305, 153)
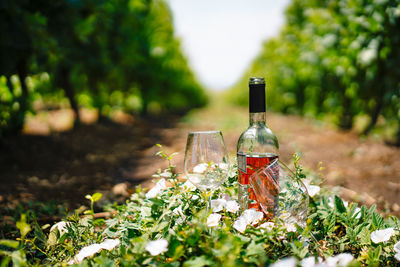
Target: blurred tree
point(334, 57)
point(15, 53)
point(112, 54)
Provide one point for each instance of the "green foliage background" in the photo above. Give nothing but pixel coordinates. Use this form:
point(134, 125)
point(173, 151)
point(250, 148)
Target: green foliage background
point(333, 57)
point(101, 54)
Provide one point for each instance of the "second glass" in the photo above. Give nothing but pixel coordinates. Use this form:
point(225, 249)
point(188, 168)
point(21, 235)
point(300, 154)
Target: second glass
point(280, 193)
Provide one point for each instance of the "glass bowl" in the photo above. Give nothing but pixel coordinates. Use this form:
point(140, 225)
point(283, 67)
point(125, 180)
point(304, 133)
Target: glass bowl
point(280, 193)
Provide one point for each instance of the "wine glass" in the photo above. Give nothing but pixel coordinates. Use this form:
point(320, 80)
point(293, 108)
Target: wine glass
point(280, 193)
point(206, 161)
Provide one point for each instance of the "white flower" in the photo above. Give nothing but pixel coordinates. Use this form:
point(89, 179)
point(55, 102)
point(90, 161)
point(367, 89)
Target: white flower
point(384, 235)
point(310, 261)
point(85, 252)
point(90, 250)
point(340, 260)
point(286, 262)
point(397, 11)
point(188, 186)
point(396, 247)
point(226, 196)
point(232, 206)
point(157, 247)
point(61, 227)
point(218, 204)
point(366, 56)
point(166, 174)
point(135, 197)
point(180, 220)
point(109, 244)
point(329, 39)
point(213, 219)
point(252, 216)
point(145, 211)
point(312, 189)
point(157, 51)
point(331, 202)
point(160, 185)
point(240, 224)
point(200, 168)
point(231, 172)
point(267, 225)
point(290, 227)
point(358, 212)
point(224, 166)
point(178, 211)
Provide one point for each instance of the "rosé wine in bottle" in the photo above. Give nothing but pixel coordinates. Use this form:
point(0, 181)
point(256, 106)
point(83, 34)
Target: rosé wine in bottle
point(257, 145)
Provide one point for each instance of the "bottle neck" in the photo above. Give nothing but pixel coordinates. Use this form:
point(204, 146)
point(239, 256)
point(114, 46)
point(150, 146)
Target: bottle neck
point(257, 118)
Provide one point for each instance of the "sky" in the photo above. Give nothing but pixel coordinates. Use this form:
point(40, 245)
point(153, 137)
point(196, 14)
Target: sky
point(221, 37)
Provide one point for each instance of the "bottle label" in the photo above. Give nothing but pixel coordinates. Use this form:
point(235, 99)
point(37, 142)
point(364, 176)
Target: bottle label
point(242, 162)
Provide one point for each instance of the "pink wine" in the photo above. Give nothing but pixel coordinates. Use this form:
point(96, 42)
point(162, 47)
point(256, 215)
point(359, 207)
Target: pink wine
point(248, 165)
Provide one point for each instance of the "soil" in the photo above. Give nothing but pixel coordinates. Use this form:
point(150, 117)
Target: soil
point(50, 163)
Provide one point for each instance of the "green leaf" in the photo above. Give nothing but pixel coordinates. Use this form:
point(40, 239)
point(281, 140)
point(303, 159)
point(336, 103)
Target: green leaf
point(96, 197)
point(23, 227)
point(161, 226)
point(339, 205)
point(331, 222)
point(98, 222)
point(378, 252)
point(9, 243)
point(377, 220)
point(243, 238)
point(365, 236)
point(193, 239)
point(255, 249)
point(139, 244)
point(18, 258)
point(179, 252)
point(197, 262)
point(172, 155)
point(5, 261)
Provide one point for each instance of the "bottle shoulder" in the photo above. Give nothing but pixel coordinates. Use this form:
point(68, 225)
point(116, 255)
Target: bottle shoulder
point(258, 138)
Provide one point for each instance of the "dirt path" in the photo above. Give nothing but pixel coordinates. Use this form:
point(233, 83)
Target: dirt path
point(63, 167)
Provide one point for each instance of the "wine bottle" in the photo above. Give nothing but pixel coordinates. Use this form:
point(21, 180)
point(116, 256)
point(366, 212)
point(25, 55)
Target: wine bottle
point(257, 145)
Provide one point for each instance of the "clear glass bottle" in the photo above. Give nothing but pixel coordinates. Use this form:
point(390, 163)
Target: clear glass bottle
point(257, 145)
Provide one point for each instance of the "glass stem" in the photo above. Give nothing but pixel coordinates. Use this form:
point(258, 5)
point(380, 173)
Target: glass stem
point(207, 198)
point(209, 201)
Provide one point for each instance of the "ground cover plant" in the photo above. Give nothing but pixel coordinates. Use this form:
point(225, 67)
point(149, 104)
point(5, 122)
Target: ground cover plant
point(168, 225)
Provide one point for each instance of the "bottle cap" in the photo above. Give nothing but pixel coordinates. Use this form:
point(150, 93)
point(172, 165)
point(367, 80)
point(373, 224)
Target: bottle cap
point(256, 94)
